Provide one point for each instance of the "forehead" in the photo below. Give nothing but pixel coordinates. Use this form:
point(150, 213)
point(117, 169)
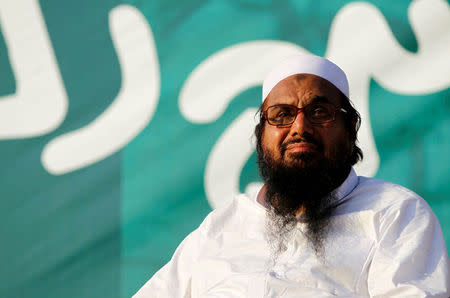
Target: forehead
point(301, 89)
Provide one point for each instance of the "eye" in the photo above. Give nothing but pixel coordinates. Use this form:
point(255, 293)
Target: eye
point(319, 111)
point(281, 114)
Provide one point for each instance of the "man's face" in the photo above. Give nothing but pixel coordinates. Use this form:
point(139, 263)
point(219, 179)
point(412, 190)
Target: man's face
point(303, 163)
point(304, 144)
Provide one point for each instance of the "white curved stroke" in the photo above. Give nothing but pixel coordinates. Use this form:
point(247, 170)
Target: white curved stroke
point(39, 104)
point(227, 159)
point(216, 81)
point(362, 43)
point(428, 70)
point(131, 110)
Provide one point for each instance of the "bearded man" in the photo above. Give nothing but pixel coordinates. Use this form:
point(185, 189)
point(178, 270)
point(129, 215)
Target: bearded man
point(315, 229)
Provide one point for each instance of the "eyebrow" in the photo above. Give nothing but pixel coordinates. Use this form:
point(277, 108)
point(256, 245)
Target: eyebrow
point(315, 99)
point(319, 99)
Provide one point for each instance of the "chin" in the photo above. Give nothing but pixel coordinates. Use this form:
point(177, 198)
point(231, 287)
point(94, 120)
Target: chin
point(301, 159)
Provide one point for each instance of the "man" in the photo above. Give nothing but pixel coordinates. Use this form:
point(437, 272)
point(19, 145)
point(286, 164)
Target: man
point(315, 229)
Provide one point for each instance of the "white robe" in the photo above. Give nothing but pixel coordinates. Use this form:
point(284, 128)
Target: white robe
point(385, 241)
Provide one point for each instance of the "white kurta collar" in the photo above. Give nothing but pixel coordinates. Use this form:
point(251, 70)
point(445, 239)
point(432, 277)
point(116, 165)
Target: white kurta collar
point(346, 187)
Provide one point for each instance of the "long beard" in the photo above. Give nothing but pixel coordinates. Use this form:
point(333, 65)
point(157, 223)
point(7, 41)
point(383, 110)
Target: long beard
point(291, 187)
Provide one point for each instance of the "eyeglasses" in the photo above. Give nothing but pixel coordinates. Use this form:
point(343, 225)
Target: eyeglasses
point(316, 113)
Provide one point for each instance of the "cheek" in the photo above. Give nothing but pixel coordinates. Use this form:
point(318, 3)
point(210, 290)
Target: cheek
point(334, 139)
point(336, 144)
point(272, 138)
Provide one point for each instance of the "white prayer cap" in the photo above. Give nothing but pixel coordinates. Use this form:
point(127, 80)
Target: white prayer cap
point(306, 64)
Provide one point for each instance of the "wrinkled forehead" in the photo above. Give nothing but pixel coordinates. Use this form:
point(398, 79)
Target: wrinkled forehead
point(306, 64)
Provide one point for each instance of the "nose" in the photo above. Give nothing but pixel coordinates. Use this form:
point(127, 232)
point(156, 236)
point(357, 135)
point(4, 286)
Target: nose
point(301, 125)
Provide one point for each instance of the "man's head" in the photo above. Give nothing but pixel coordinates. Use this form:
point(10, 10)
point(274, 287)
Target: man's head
point(306, 141)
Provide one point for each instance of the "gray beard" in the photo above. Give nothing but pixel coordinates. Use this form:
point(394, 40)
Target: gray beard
point(281, 229)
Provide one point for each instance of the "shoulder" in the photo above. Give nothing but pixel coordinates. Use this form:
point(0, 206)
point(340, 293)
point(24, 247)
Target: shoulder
point(380, 195)
point(382, 203)
point(408, 256)
point(238, 212)
point(382, 186)
point(233, 216)
point(390, 206)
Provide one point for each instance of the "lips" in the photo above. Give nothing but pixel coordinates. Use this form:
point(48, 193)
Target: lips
point(301, 147)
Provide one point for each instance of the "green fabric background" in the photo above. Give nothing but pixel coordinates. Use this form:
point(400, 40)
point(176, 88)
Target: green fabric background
point(103, 230)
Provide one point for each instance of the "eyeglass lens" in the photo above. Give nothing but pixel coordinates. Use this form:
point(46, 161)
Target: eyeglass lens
point(315, 113)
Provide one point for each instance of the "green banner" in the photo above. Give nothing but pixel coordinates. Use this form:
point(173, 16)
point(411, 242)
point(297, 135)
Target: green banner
point(124, 123)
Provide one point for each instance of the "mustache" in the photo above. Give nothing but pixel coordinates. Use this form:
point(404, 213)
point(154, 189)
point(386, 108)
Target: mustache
point(303, 139)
